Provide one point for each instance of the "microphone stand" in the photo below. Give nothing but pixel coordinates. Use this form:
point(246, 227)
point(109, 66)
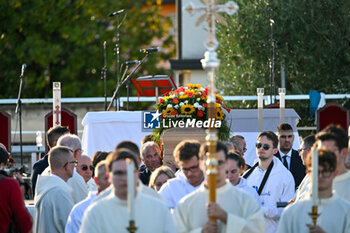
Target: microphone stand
point(19, 111)
point(118, 60)
point(128, 78)
point(104, 71)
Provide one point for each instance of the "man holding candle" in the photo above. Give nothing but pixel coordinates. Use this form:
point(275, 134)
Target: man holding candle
point(114, 212)
point(335, 139)
point(234, 211)
point(273, 182)
point(289, 157)
point(334, 211)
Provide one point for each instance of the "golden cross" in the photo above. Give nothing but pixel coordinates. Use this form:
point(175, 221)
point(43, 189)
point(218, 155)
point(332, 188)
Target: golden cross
point(211, 9)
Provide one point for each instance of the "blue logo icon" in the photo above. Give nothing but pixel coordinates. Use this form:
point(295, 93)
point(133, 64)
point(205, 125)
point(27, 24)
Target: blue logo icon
point(151, 120)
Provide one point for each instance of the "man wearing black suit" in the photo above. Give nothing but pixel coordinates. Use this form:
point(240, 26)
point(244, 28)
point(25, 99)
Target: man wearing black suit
point(52, 136)
point(289, 157)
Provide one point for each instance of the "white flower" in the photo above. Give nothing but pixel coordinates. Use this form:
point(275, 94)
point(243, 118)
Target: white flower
point(169, 106)
point(181, 104)
point(198, 99)
point(196, 105)
point(181, 93)
point(186, 101)
point(176, 106)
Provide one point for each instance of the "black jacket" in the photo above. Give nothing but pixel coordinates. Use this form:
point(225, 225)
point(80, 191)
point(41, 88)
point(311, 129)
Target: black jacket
point(296, 167)
point(38, 168)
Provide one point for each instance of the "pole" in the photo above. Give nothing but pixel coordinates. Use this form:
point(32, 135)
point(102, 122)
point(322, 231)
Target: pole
point(104, 71)
point(118, 61)
point(19, 110)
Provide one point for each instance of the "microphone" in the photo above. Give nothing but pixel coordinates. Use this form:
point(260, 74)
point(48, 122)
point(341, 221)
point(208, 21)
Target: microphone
point(116, 13)
point(24, 66)
point(132, 62)
point(149, 50)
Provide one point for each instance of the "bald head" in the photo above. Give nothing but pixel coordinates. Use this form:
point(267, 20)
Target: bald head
point(58, 157)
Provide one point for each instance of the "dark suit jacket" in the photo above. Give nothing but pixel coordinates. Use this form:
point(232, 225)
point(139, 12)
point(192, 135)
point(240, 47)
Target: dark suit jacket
point(38, 168)
point(296, 167)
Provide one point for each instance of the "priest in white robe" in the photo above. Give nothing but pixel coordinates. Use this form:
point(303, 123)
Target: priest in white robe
point(53, 201)
point(234, 209)
point(110, 214)
point(335, 211)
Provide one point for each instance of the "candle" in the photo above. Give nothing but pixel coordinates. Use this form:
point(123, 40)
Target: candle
point(314, 177)
point(131, 188)
point(282, 93)
point(260, 92)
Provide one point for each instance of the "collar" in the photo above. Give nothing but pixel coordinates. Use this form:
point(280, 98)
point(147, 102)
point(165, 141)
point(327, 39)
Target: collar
point(342, 177)
point(220, 190)
point(289, 154)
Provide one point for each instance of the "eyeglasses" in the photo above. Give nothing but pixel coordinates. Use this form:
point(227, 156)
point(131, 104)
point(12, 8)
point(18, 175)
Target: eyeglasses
point(192, 169)
point(121, 173)
point(302, 149)
point(264, 146)
point(324, 173)
point(75, 162)
point(85, 167)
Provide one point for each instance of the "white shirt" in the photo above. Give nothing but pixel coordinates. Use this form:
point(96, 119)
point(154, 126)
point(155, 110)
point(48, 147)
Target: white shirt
point(110, 214)
point(341, 184)
point(91, 185)
point(335, 216)
point(279, 187)
point(77, 213)
point(243, 184)
point(243, 213)
point(288, 158)
point(303, 190)
point(175, 189)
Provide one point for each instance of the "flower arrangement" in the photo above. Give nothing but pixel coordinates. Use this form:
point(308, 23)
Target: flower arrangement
point(189, 102)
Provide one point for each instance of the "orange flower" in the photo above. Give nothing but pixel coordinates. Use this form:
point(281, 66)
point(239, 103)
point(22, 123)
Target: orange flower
point(204, 105)
point(174, 113)
point(189, 94)
point(200, 113)
point(175, 100)
point(161, 100)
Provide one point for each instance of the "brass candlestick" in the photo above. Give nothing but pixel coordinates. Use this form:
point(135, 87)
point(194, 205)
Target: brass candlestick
point(132, 228)
point(314, 215)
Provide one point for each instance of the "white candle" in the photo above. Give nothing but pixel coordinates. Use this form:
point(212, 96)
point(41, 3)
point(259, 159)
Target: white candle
point(314, 177)
point(131, 188)
point(260, 92)
point(282, 93)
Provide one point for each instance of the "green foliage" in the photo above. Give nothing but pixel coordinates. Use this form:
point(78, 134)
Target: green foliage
point(313, 44)
point(63, 41)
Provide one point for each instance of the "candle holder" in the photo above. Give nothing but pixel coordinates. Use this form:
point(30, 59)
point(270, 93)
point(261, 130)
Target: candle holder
point(314, 215)
point(132, 228)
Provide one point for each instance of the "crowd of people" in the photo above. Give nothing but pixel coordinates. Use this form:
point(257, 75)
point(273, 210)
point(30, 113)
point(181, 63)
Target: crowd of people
point(76, 193)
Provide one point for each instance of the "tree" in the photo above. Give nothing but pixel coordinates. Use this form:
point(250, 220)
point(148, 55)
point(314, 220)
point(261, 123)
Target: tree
point(63, 41)
point(313, 44)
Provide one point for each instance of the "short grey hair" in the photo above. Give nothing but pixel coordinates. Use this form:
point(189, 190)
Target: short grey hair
point(70, 140)
point(146, 145)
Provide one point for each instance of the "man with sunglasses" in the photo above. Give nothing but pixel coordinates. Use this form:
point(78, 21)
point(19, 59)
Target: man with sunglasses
point(270, 178)
point(188, 178)
point(53, 200)
point(85, 169)
point(289, 157)
point(234, 210)
point(334, 210)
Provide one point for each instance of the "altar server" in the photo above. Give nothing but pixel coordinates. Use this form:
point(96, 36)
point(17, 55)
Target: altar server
point(334, 211)
point(52, 197)
point(234, 211)
point(271, 179)
point(110, 214)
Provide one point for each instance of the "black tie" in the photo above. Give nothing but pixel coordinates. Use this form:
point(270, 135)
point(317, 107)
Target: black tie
point(285, 163)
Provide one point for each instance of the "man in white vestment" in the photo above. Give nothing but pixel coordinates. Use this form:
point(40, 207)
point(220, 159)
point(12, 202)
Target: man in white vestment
point(304, 188)
point(85, 169)
point(335, 139)
point(234, 209)
point(110, 214)
point(53, 201)
point(189, 178)
point(271, 179)
point(77, 213)
point(334, 210)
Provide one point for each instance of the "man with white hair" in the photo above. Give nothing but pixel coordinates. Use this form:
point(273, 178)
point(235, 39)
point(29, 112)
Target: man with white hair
point(53, 201)
point(150, 156)
point(85, 169)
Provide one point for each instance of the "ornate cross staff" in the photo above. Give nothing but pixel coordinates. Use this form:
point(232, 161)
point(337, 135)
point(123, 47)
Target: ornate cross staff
point(56, 116)
point(211, 63)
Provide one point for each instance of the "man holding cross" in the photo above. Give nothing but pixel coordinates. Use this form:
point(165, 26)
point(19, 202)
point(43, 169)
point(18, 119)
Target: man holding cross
point(234, 211)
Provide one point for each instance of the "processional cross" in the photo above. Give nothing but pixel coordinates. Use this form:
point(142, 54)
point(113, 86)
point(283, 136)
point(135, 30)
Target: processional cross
point(211, 63)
